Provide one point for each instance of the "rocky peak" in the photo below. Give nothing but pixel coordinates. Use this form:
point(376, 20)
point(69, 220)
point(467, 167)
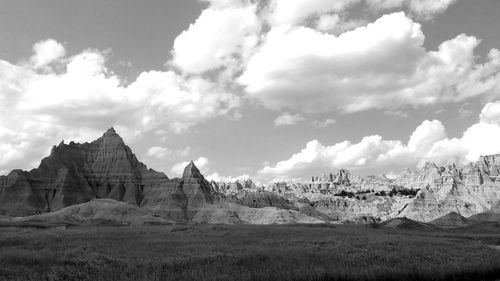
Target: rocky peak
point(111, 137)
point(110, 131)
point(191, 171)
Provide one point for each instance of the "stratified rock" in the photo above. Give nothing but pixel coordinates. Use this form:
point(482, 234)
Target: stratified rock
point(197, 189)
point(76, 173)
point(179, 199)
point(468, 189)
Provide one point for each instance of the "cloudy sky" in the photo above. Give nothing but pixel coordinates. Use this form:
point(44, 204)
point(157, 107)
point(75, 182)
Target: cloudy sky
point(265, 88)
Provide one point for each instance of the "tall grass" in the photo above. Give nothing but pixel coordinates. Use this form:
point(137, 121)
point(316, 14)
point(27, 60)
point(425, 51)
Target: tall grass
point(204, 252)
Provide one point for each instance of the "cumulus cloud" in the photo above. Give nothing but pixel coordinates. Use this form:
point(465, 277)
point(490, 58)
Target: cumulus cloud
point(178, 168)
point(424, 9)
point(158, 152)
point(428, 142)
point(293, 12)
point(381, 65)
point(337, 25)
point(46, 52)
point(428, 8)
point(218, 178)
point(287, 119)
point(491, 113)
point(218, 38)
point(314, 56)
point(81, 97)
point(479, 139)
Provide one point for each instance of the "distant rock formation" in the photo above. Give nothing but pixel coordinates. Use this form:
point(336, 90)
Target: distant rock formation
point(422, 195)
point(467, 190)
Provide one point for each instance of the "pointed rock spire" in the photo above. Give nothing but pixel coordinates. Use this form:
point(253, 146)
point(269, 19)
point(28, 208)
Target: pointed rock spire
point(110, 136)
point(191, 171)
point(110, 132)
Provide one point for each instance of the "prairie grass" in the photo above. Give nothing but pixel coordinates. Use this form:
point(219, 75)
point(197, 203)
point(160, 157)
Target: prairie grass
point(245, 252)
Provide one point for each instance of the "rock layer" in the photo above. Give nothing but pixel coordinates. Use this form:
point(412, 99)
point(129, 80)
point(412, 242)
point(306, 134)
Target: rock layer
point(76, 173)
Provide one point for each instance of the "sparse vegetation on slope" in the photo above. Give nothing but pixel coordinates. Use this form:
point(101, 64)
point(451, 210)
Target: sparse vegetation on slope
point(243, 252)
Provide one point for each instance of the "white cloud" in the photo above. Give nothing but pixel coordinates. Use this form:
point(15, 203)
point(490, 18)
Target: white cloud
point(337, 25)
point(46, 52)
point(428, 8)
point(424, 9)
point(480, 139)
point(296, 11)
point(158, 152)
point(427, 143)
point(201, 163)
point(81, 98)
point(325, 123)
point(370, 152)
point(491, 113)
point(386, 4)
point(218, 38)
point(226, 3)
point(328, 22)
point(424, 137)
point(287, 119)
point(218, 178)
point(382, 65)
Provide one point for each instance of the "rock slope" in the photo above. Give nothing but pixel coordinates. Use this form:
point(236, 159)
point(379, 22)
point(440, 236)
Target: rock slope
point(97, 211)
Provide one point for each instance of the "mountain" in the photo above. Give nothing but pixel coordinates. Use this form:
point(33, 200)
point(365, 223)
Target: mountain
point(84, 183)
point(75, 174)
point(105, 168)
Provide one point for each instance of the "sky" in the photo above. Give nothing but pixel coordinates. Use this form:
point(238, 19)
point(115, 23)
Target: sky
point(267, 89)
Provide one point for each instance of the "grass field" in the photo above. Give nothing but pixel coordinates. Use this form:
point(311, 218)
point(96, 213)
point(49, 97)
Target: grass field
point(212, 252)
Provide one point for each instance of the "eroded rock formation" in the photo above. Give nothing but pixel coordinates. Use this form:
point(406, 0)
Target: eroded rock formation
point(76, 173)
point(106, 168)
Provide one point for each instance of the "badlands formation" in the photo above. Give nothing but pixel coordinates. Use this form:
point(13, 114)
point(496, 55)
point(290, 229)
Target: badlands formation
point(103, 182)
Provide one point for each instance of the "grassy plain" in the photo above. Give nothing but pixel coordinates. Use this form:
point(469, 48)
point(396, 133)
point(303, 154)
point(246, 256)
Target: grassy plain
point(246, 252)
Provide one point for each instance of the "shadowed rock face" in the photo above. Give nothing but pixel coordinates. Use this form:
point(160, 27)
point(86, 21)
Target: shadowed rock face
point(452, 219)
point(75, 173)
point(198, 190)
point(179, 198)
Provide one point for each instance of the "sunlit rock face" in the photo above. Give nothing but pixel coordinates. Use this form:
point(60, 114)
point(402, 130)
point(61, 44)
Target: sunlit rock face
point(424, 195)
point(75, 173)
point(467, 190)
